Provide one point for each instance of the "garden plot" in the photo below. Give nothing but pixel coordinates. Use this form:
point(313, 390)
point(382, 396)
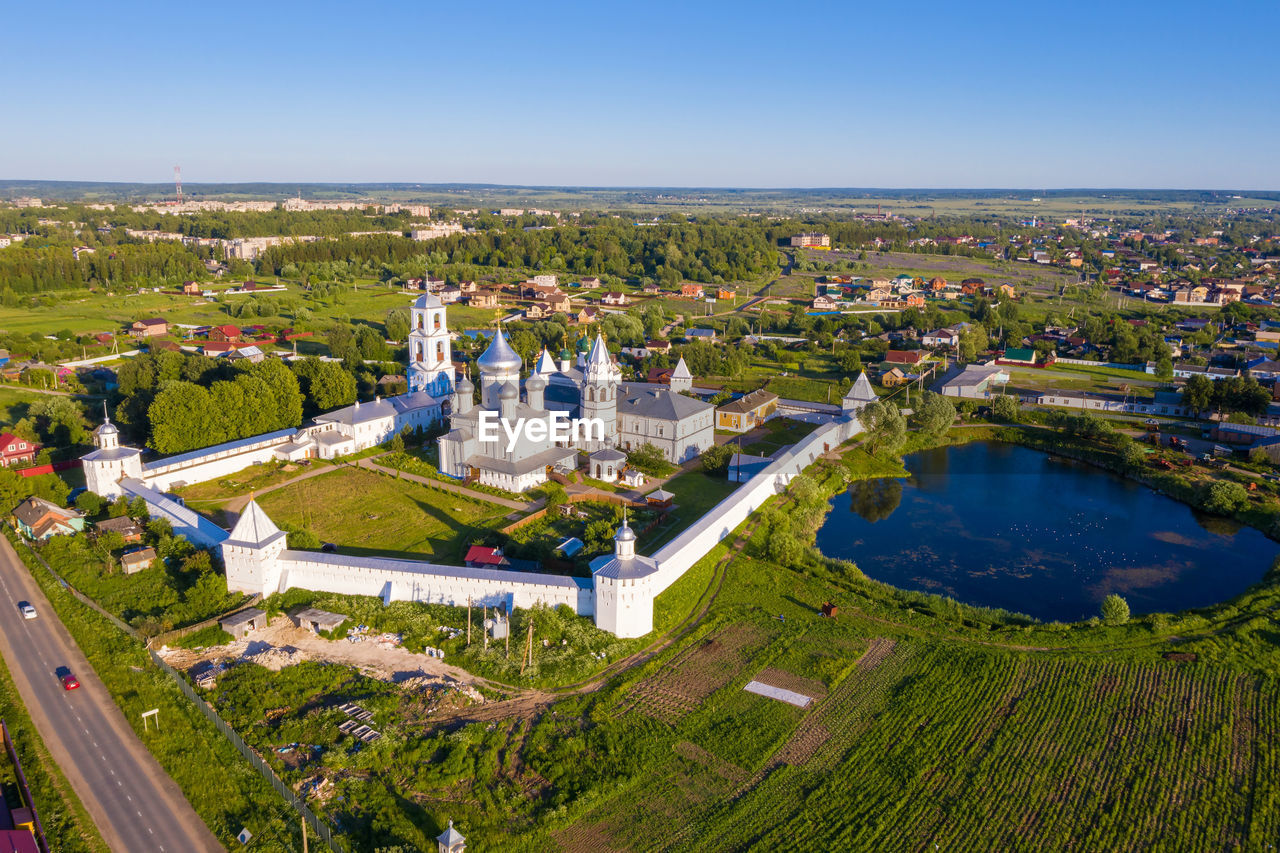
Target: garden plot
point(694, 674)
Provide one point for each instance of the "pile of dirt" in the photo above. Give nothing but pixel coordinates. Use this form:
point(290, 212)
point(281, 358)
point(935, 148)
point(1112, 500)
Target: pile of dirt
point(275, 659)
point(430, 684)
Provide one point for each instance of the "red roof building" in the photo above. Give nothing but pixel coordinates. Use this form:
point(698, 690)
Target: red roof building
point(224, 334)
point(482, 556)
point(895, 356)
point(14, 450)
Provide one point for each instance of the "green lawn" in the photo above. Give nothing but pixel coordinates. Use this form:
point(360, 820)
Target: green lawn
point(13, 404)
point(367, 513)
point(695, 493)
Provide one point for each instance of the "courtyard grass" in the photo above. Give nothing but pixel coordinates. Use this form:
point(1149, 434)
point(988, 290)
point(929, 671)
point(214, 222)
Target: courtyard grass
point(365, 513)
point(695, 494)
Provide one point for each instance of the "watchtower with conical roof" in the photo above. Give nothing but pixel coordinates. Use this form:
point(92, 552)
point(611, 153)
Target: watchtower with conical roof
point(252, 552)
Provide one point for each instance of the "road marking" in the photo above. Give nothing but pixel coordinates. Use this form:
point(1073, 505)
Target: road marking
point(129, 798)
point(150, 831)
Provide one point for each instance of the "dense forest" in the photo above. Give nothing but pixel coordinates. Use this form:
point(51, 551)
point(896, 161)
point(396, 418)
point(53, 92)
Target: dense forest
point(709, 251)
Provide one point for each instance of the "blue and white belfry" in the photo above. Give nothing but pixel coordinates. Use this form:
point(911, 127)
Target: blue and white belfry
point(430, 360)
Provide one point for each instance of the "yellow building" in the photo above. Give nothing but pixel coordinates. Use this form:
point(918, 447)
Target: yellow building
point(747, 412)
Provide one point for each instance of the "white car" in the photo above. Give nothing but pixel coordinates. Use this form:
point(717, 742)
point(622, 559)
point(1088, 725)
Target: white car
point(28, 612)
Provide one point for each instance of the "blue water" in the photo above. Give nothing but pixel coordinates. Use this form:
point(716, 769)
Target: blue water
point(997, 525)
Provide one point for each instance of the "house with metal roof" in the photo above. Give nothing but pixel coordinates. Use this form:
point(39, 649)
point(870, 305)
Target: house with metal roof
point(747, 412)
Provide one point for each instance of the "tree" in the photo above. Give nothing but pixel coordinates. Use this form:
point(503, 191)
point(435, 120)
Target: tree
point(650, 460)
point(1198, 392)
point(1225, 497)
point(885, 426)
point(935, 414)
point(397, 443)
point(715, 459)
point(1005, 408)
point(325, 384)
point(91, 504)
point(1132, 456)
point(397, 324)
point(1115, 610)
point(1164, 367)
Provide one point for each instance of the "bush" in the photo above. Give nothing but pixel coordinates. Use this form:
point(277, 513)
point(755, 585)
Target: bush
point(1225, 498)
point(1115, 610)
point(715, 459)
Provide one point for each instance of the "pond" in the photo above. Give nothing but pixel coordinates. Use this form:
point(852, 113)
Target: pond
point(998, 525)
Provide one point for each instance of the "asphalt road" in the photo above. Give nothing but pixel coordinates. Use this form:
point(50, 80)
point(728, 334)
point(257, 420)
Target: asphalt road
point(132, 801)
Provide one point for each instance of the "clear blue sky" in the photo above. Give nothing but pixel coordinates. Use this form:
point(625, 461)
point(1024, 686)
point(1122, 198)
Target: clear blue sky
point(923, 94)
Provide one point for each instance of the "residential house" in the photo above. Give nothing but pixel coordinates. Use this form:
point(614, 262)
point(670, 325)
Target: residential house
point(1182, 370)
point(725, 293)
point(224, 334)
point(615, 297)
point(137, 559)
point(894, 356)
point(689, 290)
point(37, 518)
point(948, 337)
point(824, 303)
point(747, 412)
point(1018, 356)
point(894, 377)
point(973, 287)
point(701, 334)
point(251, 354)
point(468, 287)
point(1007, 291)
point(449, 295)
point(588, 314)
point(154, 327)
point(652, 287)
point(16, 451)
point(190, 288)
point(590, 283)
point(484, 299)
point(128, 529)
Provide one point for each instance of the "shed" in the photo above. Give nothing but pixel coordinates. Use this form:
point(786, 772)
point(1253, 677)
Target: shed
point(317, 620)
point(137, 559)
point(240, 624)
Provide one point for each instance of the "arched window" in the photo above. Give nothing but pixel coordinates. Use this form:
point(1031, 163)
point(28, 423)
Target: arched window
point(436, 320)
point(439, 351)
point(422, 323)
point(419, 352)
point(591, 394)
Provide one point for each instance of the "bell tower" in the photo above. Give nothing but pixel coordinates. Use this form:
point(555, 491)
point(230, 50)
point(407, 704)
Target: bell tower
point(430, 356)
point(599, 397)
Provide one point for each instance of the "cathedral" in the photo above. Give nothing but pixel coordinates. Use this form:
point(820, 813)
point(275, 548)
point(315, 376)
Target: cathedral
point(606, 415)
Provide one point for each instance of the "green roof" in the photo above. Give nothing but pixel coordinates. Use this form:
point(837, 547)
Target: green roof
point(1019, 355)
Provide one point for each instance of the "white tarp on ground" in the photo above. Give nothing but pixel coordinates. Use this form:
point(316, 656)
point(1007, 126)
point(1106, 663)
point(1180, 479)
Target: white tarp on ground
point(789, 696)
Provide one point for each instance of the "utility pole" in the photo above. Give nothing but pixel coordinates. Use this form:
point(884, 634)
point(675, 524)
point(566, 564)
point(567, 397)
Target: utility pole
point(507, 613)
point(484, 619)
point(304, 835)
point(468, 621)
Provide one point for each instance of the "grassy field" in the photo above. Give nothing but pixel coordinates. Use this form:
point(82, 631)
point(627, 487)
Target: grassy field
point(14, 403)
point(695, 493)
point(365, 513)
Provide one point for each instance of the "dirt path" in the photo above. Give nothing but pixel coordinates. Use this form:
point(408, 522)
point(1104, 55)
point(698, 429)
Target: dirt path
point(525, 506)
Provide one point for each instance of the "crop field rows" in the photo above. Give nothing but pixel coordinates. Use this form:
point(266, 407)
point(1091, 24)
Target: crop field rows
point(691, 676)
point(1004, 752)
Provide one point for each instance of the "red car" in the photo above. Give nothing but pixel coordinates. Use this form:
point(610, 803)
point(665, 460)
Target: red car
point(68, 680)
